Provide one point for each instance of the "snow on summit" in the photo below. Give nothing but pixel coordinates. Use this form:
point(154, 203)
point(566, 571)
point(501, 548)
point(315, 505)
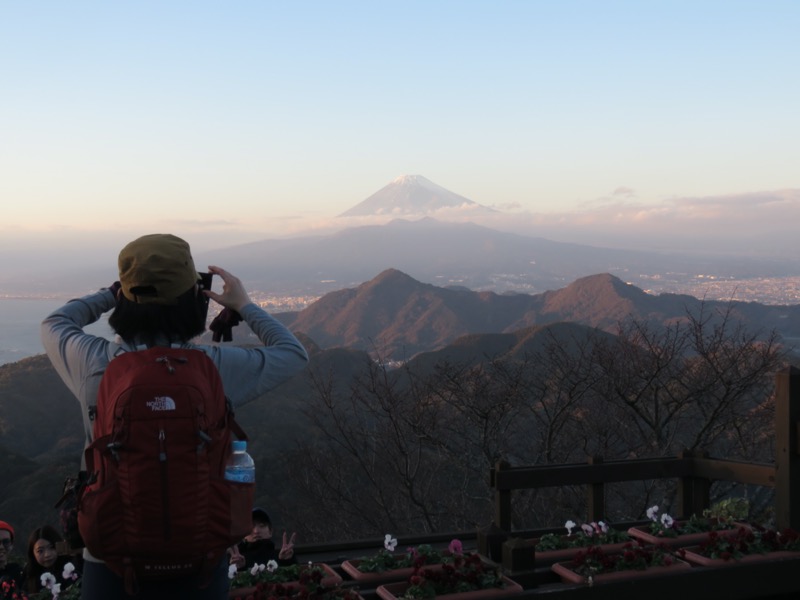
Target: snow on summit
point(411, 195)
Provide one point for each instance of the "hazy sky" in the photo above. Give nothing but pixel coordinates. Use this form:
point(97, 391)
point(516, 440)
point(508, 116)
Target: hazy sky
point(232, 121)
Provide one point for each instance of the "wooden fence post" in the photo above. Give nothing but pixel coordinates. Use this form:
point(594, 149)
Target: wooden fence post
point(694, 493)
point(491, 538)
point(787, 448)
point(596, 496)
point(502, 500)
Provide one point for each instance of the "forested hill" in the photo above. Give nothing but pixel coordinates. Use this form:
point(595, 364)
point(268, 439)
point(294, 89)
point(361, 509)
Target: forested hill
point(394, 316)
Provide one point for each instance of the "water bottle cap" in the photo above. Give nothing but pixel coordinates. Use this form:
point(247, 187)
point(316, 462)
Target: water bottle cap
point(239, 445)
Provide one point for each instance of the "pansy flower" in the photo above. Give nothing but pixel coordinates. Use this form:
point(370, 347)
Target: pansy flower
point(389, 542)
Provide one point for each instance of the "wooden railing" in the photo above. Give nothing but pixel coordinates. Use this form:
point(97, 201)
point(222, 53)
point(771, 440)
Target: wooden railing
point(695, 473)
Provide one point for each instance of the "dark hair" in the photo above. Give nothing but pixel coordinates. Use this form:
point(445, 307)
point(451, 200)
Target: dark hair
point(147, 322)
point(261, 517)
point(33, 570)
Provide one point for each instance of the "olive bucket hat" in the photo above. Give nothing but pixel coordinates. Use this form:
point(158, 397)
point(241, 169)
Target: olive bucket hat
point(156, 269)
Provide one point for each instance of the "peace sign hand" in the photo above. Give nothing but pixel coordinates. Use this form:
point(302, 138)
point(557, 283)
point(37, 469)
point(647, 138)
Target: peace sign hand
point(287, 547)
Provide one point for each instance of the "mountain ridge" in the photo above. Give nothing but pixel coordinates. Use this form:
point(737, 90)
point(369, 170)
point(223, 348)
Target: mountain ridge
point(394, 316)
point(447, 253)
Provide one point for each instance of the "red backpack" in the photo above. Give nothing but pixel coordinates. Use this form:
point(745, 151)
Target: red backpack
point(158, 505)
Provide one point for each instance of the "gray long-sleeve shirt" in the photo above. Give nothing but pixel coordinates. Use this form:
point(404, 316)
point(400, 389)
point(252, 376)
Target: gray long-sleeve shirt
point(80, 359)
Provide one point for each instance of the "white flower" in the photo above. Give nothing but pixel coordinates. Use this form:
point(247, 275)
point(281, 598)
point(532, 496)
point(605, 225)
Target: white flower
point(666, 520)
point(271, 566)
point(389, 542)
point(652, 513)
point(570, 525)
point(231, 571)
point(257, 569)
point(56, 590)
point(48, 580)
point(603, 526)
point(587, 529)
point(69, 571)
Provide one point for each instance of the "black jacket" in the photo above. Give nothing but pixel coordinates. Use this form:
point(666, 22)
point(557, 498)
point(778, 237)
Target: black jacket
point(11, 574)
point(261, 552)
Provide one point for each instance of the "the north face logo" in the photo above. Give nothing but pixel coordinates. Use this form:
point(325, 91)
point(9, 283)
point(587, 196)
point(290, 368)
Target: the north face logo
point(161, 403)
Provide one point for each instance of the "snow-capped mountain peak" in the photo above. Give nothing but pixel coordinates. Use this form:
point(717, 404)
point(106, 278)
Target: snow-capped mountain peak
point(410, 195)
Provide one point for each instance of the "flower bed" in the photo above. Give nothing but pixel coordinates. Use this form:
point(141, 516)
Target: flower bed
point(595, 565)
point(280, 592)
point(398, 590)
point(469, 575)
point(386, 566)
point(69, 588)
point(311, 576)
point(552, 547)
point(744, 544)
point(664, 529)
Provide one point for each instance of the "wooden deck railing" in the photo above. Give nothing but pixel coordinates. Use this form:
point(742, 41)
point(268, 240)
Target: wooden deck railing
point(695, 473)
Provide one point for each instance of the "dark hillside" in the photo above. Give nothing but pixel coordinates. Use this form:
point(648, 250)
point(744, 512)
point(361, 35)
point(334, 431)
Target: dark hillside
point(394, 316)
point(13, 466)
point(28, 501)
point(476, 348)
point(39, 416)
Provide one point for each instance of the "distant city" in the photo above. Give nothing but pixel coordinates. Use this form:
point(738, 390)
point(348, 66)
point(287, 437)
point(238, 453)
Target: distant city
point(783, 290)
point(764, 290)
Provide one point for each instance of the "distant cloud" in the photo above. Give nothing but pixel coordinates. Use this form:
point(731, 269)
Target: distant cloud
point(756, 223)
point(736, 222)
point(203, 223)
point(509, 206)
point(624, 191)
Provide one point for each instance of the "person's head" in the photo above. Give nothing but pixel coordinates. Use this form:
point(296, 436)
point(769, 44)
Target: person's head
point(159, 293)
point(42, 547)
point(262, 526)
point(6, 542)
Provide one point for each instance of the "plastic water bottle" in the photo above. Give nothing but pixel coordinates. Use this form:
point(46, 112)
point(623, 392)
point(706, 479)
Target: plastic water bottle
point(240, 465)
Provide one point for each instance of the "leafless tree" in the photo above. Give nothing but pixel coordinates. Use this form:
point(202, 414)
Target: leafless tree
point(409, 451)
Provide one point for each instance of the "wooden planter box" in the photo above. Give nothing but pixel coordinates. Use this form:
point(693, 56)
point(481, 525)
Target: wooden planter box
point(330, 579)
point(370, 579)
point(642, 533)
point(393, 591)
point(693, 556)
point(548, 557)
point(564, 570)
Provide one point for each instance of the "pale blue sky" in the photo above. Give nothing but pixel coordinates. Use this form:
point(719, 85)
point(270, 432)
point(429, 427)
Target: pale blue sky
point(247, 119)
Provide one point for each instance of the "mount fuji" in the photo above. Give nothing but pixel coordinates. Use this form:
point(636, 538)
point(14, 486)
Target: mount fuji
point(413, 195)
